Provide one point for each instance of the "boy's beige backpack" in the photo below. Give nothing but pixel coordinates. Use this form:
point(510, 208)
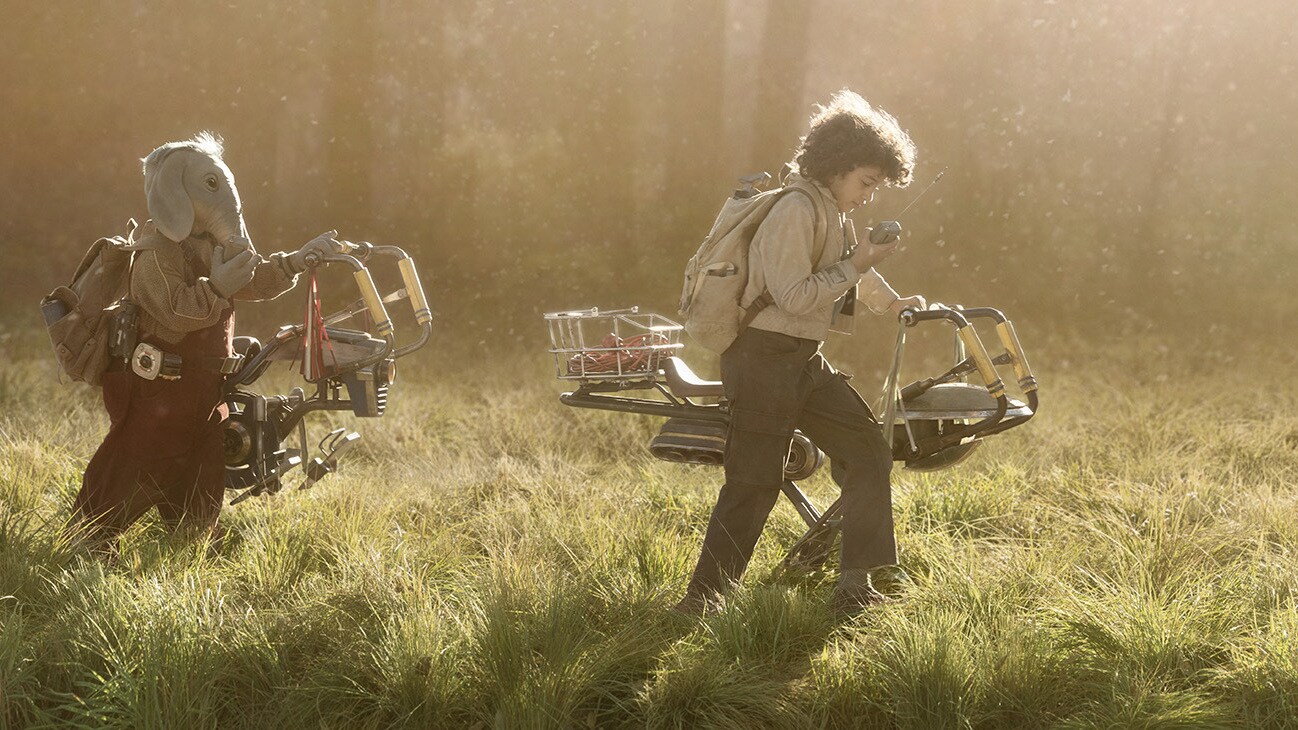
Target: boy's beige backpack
point(716, 277)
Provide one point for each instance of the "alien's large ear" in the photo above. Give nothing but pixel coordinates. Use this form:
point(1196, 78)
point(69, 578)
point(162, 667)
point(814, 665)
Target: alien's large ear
point(168, 200)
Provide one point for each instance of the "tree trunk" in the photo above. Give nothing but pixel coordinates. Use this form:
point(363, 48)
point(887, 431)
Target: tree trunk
point(349, 138)
point(781, 83)
point(1164, 158)
point(696, 135)
point(1144, 270)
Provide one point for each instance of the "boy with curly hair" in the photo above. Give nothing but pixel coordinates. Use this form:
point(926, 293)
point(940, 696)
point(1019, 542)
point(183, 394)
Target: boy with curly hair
point(775, 378)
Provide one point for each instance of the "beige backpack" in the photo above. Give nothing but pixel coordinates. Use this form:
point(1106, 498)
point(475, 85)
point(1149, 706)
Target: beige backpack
point(77, 316)
point(717, 275)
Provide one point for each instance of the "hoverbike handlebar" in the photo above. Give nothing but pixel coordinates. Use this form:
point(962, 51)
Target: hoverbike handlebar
point(979, 359)
point(1005, 331)
point(371, 301)
point(359, 252)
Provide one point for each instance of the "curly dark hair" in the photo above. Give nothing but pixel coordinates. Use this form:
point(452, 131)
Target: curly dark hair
point(849, 133)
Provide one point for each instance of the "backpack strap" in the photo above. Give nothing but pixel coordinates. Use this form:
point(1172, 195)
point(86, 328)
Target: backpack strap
point(130, 267)
point(755, 308)
point(192, 263)
point(819, 242)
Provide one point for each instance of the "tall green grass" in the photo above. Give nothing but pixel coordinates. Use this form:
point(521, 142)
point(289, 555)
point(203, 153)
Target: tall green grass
point(492, 559)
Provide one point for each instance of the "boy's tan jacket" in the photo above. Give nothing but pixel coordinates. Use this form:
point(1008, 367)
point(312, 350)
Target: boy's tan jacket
point(805, 290)
point(176, 297)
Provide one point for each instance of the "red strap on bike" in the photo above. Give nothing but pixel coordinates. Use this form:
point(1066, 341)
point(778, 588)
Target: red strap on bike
point(315, 338)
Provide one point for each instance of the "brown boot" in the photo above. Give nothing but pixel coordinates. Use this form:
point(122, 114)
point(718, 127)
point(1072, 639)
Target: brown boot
point(697, 605)
point(855, 593)
point(891, 580)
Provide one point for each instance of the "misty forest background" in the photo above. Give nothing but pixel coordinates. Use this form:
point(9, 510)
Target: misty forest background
point(1110, 164)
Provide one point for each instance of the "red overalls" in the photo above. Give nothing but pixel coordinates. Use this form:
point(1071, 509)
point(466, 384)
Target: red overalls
point(164, 445)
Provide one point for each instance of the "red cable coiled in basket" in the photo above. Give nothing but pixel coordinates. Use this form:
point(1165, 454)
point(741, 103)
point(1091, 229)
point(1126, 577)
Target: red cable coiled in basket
point(633, 355)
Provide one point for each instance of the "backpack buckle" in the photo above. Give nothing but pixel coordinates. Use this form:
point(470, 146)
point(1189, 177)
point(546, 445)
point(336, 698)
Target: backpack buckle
point(749, 185)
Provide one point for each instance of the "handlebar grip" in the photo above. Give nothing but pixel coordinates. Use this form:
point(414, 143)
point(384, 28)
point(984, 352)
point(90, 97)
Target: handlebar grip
point(415, 290)
point(1023, 371)
point(911, 316)
point(373, 302)
point(974, 346)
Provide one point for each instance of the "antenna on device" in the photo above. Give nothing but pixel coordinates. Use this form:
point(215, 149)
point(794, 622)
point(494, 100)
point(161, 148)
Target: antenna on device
point(921, 193)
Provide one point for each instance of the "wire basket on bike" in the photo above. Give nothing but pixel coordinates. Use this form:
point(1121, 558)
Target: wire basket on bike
point(614, 344)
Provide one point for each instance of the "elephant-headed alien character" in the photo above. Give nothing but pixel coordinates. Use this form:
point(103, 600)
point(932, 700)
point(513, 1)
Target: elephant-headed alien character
point(194, 260)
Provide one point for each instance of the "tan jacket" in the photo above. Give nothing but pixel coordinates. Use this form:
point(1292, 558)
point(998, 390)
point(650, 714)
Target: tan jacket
point(176, 299)
point(805, 290)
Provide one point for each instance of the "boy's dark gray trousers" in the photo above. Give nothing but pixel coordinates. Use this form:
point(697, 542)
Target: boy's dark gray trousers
point(776, 383)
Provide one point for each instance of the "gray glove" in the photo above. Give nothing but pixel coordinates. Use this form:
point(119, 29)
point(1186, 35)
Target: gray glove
point(325, 243)
point(230, 275)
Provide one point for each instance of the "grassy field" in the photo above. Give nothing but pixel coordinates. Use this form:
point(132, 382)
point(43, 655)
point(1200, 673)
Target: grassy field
point(493, 559)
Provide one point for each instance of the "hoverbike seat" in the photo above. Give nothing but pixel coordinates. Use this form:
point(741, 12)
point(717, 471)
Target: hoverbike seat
point(685, 384)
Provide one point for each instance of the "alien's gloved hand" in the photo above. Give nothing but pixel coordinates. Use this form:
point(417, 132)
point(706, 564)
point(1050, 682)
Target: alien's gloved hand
point(325, 243)
point(230, 275)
